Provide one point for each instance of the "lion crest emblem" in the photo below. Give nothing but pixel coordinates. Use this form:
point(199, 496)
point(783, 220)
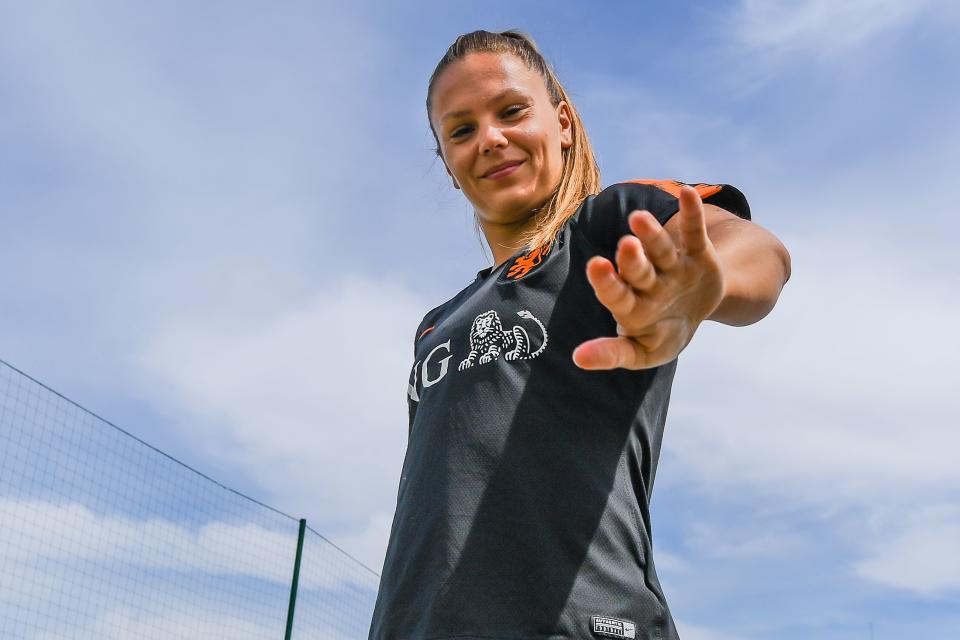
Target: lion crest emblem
point(489, 340)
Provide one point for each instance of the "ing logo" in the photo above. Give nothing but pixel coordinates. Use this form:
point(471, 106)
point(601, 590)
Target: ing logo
point(489, 341)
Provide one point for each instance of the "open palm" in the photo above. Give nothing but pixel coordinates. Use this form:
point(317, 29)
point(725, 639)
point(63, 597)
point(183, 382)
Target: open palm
point(661, 290)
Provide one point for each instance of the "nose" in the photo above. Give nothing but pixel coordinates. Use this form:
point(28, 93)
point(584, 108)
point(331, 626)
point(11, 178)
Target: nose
point(491, 139)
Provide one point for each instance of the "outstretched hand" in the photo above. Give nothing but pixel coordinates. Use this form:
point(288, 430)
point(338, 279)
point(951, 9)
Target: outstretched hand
point(660, 292)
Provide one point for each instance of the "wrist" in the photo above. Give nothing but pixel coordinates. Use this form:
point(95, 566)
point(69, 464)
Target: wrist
point(716, 309)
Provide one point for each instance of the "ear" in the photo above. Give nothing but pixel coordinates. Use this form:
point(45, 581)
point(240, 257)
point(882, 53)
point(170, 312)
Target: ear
point(455, 185)
point(566, 125)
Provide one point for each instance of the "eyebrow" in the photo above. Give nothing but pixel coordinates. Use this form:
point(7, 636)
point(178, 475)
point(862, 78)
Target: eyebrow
point(499, 96)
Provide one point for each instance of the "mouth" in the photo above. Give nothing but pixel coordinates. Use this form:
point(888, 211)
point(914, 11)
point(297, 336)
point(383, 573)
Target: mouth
point(502, 170)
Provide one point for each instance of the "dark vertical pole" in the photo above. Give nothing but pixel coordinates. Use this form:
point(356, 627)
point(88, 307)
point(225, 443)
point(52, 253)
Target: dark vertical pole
point(296, 579)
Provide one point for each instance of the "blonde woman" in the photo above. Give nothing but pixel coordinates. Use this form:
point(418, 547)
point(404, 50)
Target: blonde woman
point(538, 394)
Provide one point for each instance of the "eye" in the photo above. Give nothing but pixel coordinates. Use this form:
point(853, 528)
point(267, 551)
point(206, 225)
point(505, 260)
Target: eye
point(459, 132)
point(509, 112)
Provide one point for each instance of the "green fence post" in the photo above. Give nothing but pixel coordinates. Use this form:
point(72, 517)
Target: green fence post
point(296, 579)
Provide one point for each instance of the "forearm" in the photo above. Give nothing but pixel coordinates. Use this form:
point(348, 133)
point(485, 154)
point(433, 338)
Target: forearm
point(755, 267)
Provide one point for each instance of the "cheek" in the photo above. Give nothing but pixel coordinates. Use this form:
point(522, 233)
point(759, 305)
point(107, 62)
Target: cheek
point(540, 141)
point(459, 165)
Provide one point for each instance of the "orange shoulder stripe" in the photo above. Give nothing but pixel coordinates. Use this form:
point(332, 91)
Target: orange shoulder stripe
point(673, 187)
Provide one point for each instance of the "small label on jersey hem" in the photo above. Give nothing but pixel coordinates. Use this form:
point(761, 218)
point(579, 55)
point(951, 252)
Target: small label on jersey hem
point(612, 627)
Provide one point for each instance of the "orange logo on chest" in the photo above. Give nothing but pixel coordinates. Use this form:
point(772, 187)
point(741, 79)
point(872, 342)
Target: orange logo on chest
point(527, 263)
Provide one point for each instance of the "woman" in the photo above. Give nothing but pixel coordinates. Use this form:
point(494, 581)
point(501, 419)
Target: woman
point(539, 392)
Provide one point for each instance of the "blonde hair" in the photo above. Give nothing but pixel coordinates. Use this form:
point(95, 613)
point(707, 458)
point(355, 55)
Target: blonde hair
point(581, 175)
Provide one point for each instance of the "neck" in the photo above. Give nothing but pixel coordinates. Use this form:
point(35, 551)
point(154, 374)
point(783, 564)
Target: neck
point(505, 239)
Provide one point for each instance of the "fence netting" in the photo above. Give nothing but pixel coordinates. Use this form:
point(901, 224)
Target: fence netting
point(103, 536)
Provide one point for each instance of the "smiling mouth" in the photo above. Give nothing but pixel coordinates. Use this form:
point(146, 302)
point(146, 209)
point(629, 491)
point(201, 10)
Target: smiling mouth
point(503, 171)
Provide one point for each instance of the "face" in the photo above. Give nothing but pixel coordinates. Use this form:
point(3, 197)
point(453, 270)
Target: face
point(490, 111)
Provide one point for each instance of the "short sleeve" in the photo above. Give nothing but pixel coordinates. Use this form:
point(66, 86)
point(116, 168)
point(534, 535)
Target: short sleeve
point(603, 217)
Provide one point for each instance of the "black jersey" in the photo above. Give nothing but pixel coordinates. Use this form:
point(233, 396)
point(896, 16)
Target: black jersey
point(523, 505)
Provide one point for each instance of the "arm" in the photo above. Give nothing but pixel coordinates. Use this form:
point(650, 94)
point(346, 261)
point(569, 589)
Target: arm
point(754, 263)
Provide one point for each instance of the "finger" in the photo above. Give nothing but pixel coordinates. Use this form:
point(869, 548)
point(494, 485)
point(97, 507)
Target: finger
point(693, 227)
point(610, 353)
point(615, 294)
point(633, 265)
point(657, 243)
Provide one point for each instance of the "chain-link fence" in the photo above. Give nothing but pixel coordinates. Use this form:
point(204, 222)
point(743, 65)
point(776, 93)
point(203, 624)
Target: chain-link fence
point(104, 536)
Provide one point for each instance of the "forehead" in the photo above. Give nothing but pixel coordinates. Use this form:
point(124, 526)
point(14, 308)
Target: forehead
point(479, 78)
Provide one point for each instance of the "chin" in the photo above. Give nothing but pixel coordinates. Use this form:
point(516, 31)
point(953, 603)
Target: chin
point(506, 213)
point(512, 207)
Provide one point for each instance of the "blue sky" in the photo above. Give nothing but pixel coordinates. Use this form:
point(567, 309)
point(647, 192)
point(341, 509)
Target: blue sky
point(221, 224)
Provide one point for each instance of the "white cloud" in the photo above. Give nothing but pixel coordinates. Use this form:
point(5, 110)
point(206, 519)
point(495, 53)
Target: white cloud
point(707, 538)
point(311, 402)
point(122, 571)
point(841, 401)
point(828, 50)
point(820, 27)
point(916, 549)
point(184, 622)
point(201, 185)
point(33, 530)
point(843, 391)
point(669, 562)
point(368, 540)
point(689, 631)
point(122, 624)
point(198, 178)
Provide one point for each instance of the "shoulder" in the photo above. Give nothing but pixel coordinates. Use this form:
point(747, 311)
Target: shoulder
point(432, 317)
point(603, 217)
point(663, 195)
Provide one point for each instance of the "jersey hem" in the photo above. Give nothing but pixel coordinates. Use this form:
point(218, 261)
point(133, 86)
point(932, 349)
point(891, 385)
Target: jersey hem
point(476, 637)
